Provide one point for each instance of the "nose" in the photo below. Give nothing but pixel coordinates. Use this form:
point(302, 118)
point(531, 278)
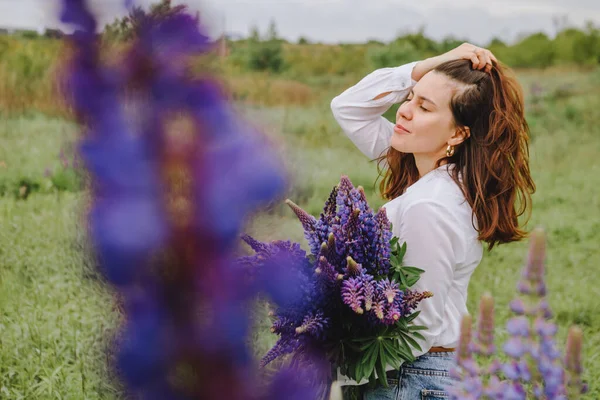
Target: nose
point(404, 111)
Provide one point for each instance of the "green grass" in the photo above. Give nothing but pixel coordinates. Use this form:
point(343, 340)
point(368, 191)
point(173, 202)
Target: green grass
point(57, 317)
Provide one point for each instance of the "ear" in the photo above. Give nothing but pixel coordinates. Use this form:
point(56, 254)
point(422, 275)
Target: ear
point(460, 135)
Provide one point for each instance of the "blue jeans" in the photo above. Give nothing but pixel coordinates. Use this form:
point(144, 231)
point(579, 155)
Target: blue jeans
point(424, 379)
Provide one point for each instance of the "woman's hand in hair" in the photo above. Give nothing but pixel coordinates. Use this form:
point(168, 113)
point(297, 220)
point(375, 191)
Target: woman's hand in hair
point(480, 57)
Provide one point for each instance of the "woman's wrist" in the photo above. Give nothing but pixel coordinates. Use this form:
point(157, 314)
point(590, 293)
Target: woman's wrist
point(423, 67)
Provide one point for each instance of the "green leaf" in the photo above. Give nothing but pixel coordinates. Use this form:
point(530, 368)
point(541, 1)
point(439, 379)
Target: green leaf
point(412, 342)
point(417, 328)
point(393, 357)
point(380, 368)
point(370, 360)
point(372, 342)
point(396, 262)
point(394, 241)
point(412, 316)
point(403, 279)
point(402, 251)
point(413, 270)
point(402, 324)
point(410, 281)
point(404, 350)
point(417, 335)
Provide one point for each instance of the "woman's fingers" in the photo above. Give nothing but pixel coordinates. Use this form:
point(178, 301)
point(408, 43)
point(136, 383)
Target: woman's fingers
point(475, 61)
point(482, 59)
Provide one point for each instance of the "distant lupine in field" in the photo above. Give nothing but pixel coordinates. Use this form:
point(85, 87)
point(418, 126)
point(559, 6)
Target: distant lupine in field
point(536, 370)
point(174, 174)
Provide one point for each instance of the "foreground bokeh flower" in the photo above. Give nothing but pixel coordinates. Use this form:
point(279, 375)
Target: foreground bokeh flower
point(175, 173)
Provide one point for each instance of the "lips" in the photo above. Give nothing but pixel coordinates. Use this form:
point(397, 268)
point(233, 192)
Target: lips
point(400, 129)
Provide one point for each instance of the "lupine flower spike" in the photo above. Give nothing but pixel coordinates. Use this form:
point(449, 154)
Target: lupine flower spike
point(535, 369)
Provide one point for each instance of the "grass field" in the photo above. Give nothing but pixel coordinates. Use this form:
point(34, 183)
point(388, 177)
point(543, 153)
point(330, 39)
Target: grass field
point(57, 315)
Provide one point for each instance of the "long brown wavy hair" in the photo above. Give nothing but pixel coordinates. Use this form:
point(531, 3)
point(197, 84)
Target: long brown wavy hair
point(494, 160)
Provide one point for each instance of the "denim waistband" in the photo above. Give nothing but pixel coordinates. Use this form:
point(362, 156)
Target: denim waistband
point(439, 361)
point(439, 354)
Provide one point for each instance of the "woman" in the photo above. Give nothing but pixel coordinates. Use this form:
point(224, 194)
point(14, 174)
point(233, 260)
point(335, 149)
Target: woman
point(456, 176)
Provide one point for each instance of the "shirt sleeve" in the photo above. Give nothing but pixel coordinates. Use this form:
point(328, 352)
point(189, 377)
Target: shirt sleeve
point(360, 116)
point(433, 244)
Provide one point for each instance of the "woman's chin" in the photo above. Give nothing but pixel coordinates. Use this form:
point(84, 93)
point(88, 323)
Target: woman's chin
point(399, 145)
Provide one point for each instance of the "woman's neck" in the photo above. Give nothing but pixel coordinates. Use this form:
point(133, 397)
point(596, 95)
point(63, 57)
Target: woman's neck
point(426, 164)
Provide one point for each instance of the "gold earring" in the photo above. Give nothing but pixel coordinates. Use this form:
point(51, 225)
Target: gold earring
point(450, 151)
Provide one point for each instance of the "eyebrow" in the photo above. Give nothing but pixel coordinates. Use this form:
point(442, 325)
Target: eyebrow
point(423, 98)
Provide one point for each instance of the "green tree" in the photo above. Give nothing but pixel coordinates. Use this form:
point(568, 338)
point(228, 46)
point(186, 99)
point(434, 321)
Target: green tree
point(392, 55)
point(586, 48)
point(265, 55)
point(535, 50)
point(421, 43)
point(125, 28)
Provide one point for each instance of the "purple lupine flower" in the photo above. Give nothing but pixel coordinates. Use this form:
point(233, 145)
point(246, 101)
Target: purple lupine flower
point(282, 325)
point(313, 325)
point(329, 210)
point(368, 292)
point(379, 308)
point(353, 294)
point(285, 345)
point(382, 246)
point(328, 272)
point(339, 236)
point(354, 238)
point(535, 357)
point(352, 267)
point(309, 223)
point(358, 198)
point(485, 332)
point(544, 328)
point(172, 264)
point(515, 391)
point(515, 347)
point(333, 276)
point(388, 289)
point(465, 365)
point(573, 365)
point(517, 306)
point(411, 300)
point(392, 313)
point(518, 326)
point(343, 200)
point(257, 246)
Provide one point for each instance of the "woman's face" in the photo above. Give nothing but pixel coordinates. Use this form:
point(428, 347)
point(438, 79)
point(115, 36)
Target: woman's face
point(427, 117)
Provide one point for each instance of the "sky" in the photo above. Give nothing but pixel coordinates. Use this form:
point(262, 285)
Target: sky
point(333, 21)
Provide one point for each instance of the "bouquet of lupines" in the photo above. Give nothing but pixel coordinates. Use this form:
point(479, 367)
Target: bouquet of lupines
point(355, 307)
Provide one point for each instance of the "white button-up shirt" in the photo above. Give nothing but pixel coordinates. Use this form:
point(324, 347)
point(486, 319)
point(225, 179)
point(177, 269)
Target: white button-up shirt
point(432, 216)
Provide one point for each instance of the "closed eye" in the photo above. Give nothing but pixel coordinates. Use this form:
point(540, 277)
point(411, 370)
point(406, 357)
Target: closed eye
point(422, 108)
